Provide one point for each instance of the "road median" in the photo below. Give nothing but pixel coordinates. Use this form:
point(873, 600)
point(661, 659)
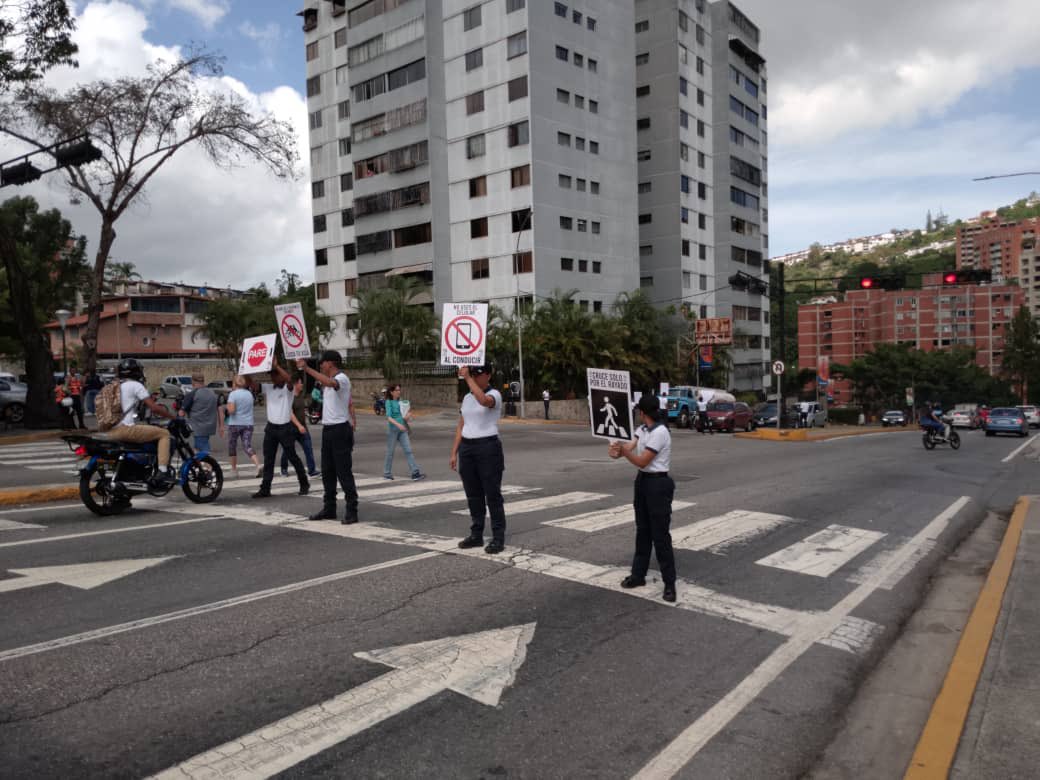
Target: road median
point(37, 494)
point(812, 434)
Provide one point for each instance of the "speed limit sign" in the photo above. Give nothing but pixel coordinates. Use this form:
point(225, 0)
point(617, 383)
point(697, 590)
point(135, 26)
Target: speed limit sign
point(778, 367)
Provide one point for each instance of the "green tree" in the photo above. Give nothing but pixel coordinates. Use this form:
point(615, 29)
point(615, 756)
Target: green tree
point(35, 36)
point(394, 326)
point(1021, 361)
point(42, 266)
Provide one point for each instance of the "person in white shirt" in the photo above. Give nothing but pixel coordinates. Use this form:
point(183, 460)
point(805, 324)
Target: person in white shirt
point(545, 401)
point(339, 422)
point(132, 396)
point(477, 455)
point(281, 429)
point(702, 416)
point(650, 451)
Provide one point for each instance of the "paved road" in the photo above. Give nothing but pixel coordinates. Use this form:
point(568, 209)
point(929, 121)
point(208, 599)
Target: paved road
point(238, 634)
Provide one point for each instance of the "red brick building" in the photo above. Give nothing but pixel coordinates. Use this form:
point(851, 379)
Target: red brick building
point(934, 317)
point(1008, 249)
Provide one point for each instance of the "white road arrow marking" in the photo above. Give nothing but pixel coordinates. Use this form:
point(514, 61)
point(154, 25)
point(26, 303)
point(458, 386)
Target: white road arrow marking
point(80, 575)
point(480, 666)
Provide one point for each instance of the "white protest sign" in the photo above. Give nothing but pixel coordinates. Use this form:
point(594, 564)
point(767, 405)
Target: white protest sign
point(257, 354)
point(610, 404)
point(406, 407)
point(464, 334)
point(293, 330)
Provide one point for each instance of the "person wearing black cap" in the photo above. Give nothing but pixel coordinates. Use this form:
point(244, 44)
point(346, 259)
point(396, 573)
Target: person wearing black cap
point(477, 455)
point(337, 437)
point(650, 451)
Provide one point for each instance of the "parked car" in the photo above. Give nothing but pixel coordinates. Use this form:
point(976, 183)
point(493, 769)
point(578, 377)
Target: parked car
point(816, 417)
point(1032, 415)
point(222, 389)
point(12, 401)
point(730, 416)
point(765, 416)
point(175, 386)
point(1007, 419)
point(962, 418)
point(893, 417)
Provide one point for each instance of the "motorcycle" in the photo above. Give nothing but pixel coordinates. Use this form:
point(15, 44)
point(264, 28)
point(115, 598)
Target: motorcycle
point(932, 437)
point(314, 414)
point(116, 471)
point(378, 403)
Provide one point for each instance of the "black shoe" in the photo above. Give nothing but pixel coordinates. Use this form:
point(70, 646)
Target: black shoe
point(164, 479)
point(305, 488)
point(262, 494)
point(495, 547)
point(314, 473)
point(350, 518)
point(285, 473)
point(471, 541)
point(632, 582)
point(323, 515)
point(669, 593)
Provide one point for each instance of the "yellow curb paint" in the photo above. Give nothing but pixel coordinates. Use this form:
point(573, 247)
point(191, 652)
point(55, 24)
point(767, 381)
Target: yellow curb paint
point(937, 746)
point(39, 495)
point(804, 434)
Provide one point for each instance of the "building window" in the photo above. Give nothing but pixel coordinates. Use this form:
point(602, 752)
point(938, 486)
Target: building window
point(344, 146)
point(340, 37)
point(475, 102)
point(646, 219)
point(350, 287)
point(480, 268)
point(315, 119)
point(321, 290)
point(597, 267)
point(521, 220)
point(579, 143)
point(594, 147)
point(700, 128)
point(566, 223)
point(343, 110)
point(563, 96)
point(643, 25)
point(413, 234)
point(590, 22)
point(517, 88)
point(471, 18)
point(643, 59)
point(579, 101)
point(313, 86)
point(560, 9)
point(478, 228)
point(519, 134)
point(594, 187)
point(702, 251)
point(346, 182)
point(579, 60)
point(563, 139)
point(566, 263)
point(646, 281)
point(474, 59)
point(346, 217)
point(592, 65)
point(643, 155)
point(312, 51)
point(349, 252)
point(702, 281)
point(644, 187)
point(478, 187)
point(319, 223)
point(643, 123)
point(684, 214)
point(523, 262)
point(515, 5)
point(597, 307)
point(643, 91)
point(687, 278)
point(702, 221)
point(318, 189)
point(583, 226)
point(595, 228)
point(702, 190)
point(564, 181)
point(562, 53)
point(321, 256)
point(583, 266)
point(580, 184)
point(684, 119)
point(700, 97)
point(593, 106)
point(475, 146)
point(686, 247)
point(576, 17)
point(520, 176)
point(684, 183)
point(516, 45)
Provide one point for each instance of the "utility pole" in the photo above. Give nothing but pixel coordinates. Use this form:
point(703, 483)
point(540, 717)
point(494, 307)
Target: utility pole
point(783, 342)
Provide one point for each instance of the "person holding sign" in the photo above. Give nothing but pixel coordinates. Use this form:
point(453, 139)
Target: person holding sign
point(337, 438)
point(282, 427)
point(650, 452)
point(477, 455)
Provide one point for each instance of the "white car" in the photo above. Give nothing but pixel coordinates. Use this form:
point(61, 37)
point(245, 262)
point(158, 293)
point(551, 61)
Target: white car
point(961, 419)
point(1032, 415)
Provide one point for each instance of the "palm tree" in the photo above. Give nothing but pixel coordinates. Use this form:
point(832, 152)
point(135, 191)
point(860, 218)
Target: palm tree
point(120, 273)
point(394, 326)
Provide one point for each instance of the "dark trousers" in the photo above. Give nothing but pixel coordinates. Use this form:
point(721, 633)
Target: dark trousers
point(481, 463)
point(653, 505)
point(77, 409)
point(337, 446)
point(702, 418)
point(283, 436)
point(546, 409)
point(308, 452)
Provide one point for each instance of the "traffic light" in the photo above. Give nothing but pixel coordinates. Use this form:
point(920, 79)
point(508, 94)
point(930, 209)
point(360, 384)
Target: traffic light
point(866, 283)
point(77, 153)
point(967, 276)
point(882, 282)
point(20, 173)
point(746, 282)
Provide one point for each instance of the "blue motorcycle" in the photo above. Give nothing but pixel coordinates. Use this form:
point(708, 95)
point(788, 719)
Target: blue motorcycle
point(117, 471)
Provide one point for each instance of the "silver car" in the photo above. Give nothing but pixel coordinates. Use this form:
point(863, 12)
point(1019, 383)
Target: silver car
point(1032, 415)
point(175, 386)
point(12, 402)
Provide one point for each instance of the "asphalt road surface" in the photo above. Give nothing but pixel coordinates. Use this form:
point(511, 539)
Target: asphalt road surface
point(238, 638)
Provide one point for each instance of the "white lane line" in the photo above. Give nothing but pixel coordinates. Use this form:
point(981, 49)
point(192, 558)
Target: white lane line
point(716, 534)
point(65, 537)
point(248, 598)
point(14, 525)
point(824, 552)
point(445, 498)
point(670, 761)
point(1029, 441)
point(600, 520)
point(68, 457)
point(52, 466)
point(48, 508)
point(406, 488)
point(865, 572)
point(546, 502)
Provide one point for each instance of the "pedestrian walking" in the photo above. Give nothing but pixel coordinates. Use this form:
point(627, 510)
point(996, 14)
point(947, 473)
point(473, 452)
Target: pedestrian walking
point(64, 402)
point(702, 415)
point(76, 393)
point(200, 406)
point(398, 431)
point(92, 386)
point(477, 455)
point(303, 433)
point(339, 423)
point(237, 415)
point(803, 414)
point(545, 402)
point(650, 452)
point(282, 428)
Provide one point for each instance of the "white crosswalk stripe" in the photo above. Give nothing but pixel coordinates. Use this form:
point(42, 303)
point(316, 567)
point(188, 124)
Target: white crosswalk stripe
point(600, 520)
point(12, 525)
point(404, 488)
point(546, 502)
point(716, 534)
point(445, 498)
point(53, 466)
point(823, 553)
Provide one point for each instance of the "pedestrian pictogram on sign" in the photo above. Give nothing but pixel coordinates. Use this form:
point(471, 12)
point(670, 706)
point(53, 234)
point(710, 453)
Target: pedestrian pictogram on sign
point(463, 334)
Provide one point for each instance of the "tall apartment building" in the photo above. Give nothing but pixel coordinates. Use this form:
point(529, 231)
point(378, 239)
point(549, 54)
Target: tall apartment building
point(498, 150)
point(1008, 249)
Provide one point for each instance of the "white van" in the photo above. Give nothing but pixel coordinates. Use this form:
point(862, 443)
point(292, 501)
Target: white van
point(814, 414)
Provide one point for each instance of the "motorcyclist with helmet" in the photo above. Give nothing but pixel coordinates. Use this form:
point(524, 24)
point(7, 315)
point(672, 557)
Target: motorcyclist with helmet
point(932, 418)
point(133, 395)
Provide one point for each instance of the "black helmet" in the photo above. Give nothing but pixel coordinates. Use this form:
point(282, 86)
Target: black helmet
point(129, 368)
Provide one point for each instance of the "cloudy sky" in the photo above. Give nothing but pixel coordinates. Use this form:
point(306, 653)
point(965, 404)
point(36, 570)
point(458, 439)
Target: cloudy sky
point(878, 112)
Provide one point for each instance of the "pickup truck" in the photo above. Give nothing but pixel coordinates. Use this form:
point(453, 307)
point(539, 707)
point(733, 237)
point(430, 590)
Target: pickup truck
point(682, 402)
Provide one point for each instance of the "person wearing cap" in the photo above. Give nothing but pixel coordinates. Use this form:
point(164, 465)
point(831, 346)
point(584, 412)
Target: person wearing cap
point(200, 407)
point(281, 430)
point(477, 455)
point(339, 422)
point(650, 452)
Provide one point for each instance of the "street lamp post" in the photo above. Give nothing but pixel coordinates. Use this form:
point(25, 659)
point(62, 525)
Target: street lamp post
point(63, 317)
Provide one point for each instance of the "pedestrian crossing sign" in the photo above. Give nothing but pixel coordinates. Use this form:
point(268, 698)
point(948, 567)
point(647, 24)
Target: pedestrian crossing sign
point(610, 404)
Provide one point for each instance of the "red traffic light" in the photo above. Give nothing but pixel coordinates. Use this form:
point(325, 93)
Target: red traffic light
point(866, 283)
point(950, 277)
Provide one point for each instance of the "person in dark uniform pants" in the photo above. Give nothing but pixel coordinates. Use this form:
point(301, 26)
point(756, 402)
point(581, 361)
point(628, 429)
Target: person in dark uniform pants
point(477, 455)
point(650, 452)
point(339, 422)
point(281, 430)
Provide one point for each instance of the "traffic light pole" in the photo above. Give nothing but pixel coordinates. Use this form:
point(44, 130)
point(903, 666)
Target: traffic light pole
point(783, 344)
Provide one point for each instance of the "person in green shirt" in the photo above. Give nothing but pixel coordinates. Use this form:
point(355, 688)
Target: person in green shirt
point(397, 432)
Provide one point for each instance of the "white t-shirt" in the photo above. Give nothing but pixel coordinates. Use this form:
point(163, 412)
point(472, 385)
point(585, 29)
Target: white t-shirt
point(479, 421)
point(279, 404)
point(545, 395)
point(702, 405)
point(335, 408)
point(131, 393)
point(660, 441)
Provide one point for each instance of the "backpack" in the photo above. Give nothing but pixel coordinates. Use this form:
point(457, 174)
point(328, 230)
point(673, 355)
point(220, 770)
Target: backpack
point(108, 406)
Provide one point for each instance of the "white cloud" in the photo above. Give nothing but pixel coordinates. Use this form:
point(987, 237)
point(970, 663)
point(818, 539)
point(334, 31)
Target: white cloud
point(209, 12)
point(198, 223)
point(267, 38)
